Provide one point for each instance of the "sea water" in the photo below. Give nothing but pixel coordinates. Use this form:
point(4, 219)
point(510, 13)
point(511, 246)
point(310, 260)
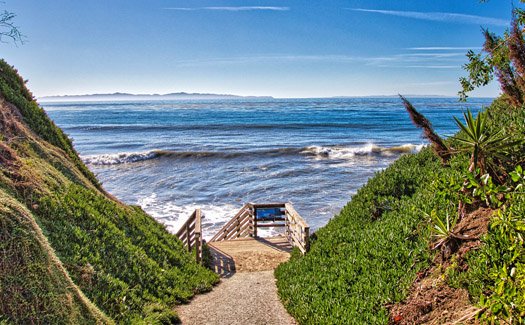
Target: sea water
point(171, 157)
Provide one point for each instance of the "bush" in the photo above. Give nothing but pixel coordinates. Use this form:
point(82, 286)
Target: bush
point(363, 260)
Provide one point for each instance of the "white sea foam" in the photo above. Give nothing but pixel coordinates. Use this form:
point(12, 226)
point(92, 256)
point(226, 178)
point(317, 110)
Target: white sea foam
point(340, 152)
point(174, 216)
point(319, 152)
point(119, 158)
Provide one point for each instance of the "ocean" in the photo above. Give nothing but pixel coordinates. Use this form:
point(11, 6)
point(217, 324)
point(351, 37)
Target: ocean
point(171, 157)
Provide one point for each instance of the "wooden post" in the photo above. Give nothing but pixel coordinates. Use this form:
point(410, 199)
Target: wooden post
point(306, 239)
point(188, 236)
point(287, 223)
point(198, 235)
point(253, 213)
point(185, 233)
point(197, 247)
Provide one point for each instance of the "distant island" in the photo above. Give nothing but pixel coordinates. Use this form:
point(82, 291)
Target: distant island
point(125, 96)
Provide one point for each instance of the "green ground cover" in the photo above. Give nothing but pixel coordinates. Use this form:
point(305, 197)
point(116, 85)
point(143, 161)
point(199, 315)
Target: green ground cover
point(368, 255)
point(126, 264)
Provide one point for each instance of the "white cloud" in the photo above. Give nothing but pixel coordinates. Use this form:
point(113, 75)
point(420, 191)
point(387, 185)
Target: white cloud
point(437, 55)
point(432, 66)
point(444, 48)
point(241, 8)
point(430, 83)
point(440, 16)
point(404, 60)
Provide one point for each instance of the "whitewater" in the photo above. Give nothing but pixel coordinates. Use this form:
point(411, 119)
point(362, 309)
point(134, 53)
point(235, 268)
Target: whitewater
point(171, 157)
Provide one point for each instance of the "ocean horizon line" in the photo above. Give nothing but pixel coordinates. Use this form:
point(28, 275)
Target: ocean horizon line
point(184, 96)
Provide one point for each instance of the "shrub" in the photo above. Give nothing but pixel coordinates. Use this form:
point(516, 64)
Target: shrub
point(359, 263)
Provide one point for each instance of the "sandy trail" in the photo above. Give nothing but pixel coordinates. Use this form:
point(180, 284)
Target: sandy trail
point(244, 298)
point(247, 293)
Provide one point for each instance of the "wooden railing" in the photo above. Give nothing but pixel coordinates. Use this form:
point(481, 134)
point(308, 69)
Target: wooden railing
point(191, 234)
point(241, 225)
point(245, 224)
point(297, 230)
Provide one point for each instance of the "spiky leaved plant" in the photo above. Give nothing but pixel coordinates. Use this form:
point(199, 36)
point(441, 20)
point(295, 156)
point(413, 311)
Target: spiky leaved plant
point(442, 229)
point(483, 145)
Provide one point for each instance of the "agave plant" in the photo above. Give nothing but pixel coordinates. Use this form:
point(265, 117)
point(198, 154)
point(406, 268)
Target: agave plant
point(483, 145)
point(442, 229)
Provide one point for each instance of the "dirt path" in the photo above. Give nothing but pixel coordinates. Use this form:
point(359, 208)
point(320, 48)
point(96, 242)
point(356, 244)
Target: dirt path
point(244, 298)
point(247, 293)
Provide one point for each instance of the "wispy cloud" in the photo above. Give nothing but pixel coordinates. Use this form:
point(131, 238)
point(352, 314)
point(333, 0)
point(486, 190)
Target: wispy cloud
point(440, 16)
point(431, 66)
point(241, 8)
point(443, 48)
point(430, 83)
point(404, 60)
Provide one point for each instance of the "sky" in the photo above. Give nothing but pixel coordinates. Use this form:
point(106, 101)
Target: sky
point(280, 48)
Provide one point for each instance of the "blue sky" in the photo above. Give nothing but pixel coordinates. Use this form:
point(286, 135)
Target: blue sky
point(282, 48)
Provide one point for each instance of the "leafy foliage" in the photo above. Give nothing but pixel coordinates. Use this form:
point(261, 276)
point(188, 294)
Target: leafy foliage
point(503, 58)
point(484, 188)
point(495, 277)
point(480, 73)
point(358, 263)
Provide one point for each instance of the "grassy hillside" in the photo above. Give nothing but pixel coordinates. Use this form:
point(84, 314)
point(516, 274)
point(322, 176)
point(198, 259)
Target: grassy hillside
point(124, 262)
point(366, 258)
point(35, 287)
point(368, 255)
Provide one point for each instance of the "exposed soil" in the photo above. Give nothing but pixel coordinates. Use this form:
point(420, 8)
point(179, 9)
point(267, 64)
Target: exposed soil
point(249, 254)
point(431, 300)
point(475, 223)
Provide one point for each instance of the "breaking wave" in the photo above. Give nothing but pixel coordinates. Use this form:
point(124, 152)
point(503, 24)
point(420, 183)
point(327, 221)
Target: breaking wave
point(318, 152)
point(338, 152)
point(119, 158)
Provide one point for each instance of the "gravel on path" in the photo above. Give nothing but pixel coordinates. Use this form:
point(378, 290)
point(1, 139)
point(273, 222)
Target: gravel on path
point(244, 298)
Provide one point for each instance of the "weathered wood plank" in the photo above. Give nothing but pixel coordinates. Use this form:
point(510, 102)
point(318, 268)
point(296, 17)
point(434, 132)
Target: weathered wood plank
point(233, 223)
point(269, 225)
point(190, 234)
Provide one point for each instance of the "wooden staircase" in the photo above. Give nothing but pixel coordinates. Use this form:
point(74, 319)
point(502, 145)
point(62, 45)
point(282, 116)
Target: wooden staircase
point(245, 224)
